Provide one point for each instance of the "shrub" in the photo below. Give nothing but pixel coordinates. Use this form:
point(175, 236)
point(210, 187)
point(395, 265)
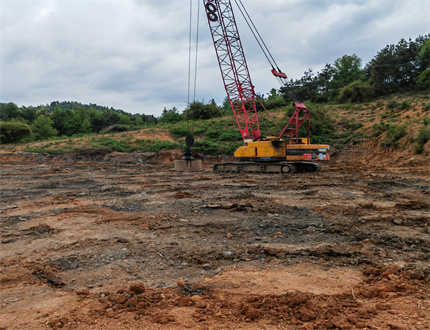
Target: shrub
point(214, 133)
point(394, 133)
point(380, 128)
point(170, 116)
point(14, 131)
point(200, 130)
point(46, 150)
point(380, 104)
point(114, 145)
point(179, 130)
point(229, 148)
point(206, 147)
point(392, 104)
point(405, 105)
point(273, 103)
point(230, 136)
point(199, 110)
point(356, 91)
point(116, 128)
point(158, 145)
point(423, 137)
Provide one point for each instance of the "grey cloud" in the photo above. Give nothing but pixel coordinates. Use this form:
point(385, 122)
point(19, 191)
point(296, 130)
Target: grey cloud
point(134, 55)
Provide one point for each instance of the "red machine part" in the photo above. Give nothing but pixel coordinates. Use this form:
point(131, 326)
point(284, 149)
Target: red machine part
point(301, 114)
point(233, 66)
point(236, 78)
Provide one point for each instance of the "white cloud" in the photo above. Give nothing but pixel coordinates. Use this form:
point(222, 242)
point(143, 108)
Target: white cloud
point(133, 55)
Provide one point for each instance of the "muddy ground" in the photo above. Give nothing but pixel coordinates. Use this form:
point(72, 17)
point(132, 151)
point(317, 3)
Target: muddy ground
point(125, 242)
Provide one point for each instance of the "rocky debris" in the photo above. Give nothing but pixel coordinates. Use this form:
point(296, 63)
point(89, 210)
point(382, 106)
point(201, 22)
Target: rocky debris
point(192, 290)
point(184, 194)
point(137, 287)
point(180, 282)
point(48, 274)
point(83, 292)
point(228, 254)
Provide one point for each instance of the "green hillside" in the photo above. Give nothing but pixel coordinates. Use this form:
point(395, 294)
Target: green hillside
point(399, 122)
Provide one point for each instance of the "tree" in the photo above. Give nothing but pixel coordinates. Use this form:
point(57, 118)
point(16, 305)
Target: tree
point(323, 81)
point(86, 126)
point(97, 121)
point(137, 119)
point(199, 110)
point(274, 100)
point(58, 118)
point(398, 67)
point(149, 119)
point(345, 70)
point(170, 116)
point(422, 81)
point(9, 111)
point(28, 114)
point(312, 87)
point(66, 121)
point(226, 106)
point(125, 120)
point(42, 128)
point(300, 90)
point(42, 112)
point(110, 118)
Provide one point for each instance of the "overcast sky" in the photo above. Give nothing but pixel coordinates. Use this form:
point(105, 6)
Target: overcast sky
point(133, 54)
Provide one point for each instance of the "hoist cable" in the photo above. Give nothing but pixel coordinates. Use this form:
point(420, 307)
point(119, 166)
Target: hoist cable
point(252, 31)
point(189, 52)
point(261, 42)
point(256, 31)
point(197, 48)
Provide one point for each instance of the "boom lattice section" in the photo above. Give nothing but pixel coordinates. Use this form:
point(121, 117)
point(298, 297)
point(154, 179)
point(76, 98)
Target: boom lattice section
point(233, 66)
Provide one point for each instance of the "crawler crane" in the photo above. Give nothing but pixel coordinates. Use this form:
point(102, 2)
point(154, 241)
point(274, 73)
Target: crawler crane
point(284, 152)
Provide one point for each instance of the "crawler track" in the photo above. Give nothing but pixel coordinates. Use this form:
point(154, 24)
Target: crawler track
point(262, 167)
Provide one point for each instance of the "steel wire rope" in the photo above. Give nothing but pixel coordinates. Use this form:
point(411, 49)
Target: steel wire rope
point(197, 48)
point(251, 22)
point(252, 31)
point(258, 33)
point(189, 140)
point(189, 52)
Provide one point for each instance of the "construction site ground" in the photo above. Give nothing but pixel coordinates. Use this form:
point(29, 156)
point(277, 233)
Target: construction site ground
point(122, 241)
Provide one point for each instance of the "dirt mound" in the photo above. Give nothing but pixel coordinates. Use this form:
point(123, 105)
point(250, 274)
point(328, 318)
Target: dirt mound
point(370, 304)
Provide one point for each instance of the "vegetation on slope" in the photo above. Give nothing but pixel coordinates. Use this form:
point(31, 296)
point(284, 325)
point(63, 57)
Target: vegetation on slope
point(387, 100)
point(401, 121)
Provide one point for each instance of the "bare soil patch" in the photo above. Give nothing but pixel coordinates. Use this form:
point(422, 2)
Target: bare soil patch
point(123, 241)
